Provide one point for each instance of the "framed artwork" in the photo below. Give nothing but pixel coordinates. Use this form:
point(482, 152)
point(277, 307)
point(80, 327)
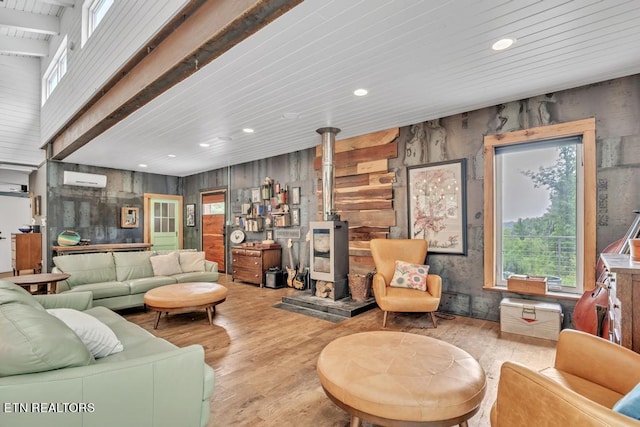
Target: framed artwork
point(255, 195)
point(295, 216)
point(295, 196)
point(190, 215)
point(438, 205)
point(130, 217)
point(269, 235)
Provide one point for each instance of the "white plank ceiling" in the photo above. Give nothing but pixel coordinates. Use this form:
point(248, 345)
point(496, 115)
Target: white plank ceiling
point(419, 60)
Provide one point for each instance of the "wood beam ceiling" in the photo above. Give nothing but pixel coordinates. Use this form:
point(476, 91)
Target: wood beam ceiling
point(31, 22)
point(203, 31)
point(28, 47)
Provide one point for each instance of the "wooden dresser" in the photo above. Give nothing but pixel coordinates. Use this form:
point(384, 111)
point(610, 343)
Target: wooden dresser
point(26, 252)
point(623, 277)
point(250, 264)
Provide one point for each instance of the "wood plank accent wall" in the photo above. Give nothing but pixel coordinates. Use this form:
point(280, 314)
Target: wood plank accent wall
point(363, 191)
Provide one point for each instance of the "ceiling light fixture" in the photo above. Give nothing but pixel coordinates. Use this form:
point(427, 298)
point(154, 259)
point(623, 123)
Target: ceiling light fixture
point(360, 92)
point(503, 44)
point(142, 165)
point(171, 155)
point(203, 144)
point(248, 130)
point(291, 116)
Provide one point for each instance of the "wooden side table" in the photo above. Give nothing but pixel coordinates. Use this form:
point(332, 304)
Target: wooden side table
point(41, 280)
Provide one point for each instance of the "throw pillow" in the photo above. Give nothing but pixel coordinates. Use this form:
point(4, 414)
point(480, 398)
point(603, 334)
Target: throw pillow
point(407, 275)
point(96, 336)
point(629, 405)
point(166, 265)
point(191, 261)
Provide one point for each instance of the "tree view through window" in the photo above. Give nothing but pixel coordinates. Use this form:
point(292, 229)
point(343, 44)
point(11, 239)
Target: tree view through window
point(539, 225)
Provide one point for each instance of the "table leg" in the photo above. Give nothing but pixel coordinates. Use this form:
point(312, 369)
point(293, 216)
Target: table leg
point(54, 287)
point(155, 325)
point(355, 421)
point(209, 311)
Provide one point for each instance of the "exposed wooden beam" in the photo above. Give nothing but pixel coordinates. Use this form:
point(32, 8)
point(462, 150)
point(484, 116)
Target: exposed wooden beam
point(20, 46)
point(31, 22)
point(198, 35)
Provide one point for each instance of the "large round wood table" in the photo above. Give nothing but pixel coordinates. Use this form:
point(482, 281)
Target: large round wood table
point(184, 298)
point(40, 279)
point(401, 379)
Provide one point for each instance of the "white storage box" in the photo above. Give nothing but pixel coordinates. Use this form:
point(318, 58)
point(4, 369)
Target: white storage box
point(533, 318)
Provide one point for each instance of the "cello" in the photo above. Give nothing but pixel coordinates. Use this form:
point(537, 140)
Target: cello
point(591, 311)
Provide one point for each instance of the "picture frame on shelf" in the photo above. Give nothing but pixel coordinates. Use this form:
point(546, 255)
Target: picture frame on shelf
point(255, 195)
point(269, 235)
point(129, 217)
point(295, 196)
point(190, 215)
point(437, 205)
point(295, 216)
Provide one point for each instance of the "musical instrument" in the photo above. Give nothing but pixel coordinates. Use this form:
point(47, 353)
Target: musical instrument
point(291, 268)
point(300, 282)
point(591, 311)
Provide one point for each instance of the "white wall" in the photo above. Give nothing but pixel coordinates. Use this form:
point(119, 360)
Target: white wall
point(127, 26)
point(14, 212)
point(20, 110)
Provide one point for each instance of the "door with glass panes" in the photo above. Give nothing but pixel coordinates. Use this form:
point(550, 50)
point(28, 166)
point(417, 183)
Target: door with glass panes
point(165, 220)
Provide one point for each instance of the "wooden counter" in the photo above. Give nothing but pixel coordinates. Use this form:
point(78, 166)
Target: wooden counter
point(108, 247)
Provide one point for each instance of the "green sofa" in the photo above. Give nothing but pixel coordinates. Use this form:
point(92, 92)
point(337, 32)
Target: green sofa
point(49, 378)
point(119, 280)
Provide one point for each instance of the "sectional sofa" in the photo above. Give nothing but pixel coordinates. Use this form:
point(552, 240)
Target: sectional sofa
point(101, 371)
point(119, 280)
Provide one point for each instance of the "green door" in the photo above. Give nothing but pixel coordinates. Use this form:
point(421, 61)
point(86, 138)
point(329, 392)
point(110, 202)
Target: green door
point(165, 217)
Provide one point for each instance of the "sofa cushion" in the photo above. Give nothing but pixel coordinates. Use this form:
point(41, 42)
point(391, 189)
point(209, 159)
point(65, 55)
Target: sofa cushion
point(191, 261)
point(204, 276)
point(87, 268)
point(166, 265)
point(136, 341)
point(95, 335)
point(32, 340)
point(132, 265)
point(103, 290)
point(140, 286)
point(592, 391)
point(10, 292)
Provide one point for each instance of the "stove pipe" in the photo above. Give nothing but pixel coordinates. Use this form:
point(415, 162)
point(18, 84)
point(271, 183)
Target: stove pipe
point(328, 173)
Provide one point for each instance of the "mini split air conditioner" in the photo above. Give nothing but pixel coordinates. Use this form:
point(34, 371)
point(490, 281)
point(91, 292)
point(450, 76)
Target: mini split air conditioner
point(85, 179)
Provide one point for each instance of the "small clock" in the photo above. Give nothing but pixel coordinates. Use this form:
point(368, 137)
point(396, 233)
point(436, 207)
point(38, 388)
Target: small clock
point(237, 236)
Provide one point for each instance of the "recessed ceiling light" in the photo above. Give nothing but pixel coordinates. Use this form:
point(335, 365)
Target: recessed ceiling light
point(360, 92)
point(248, 130)
point(171, 155)
point(202, 144)
point(291, 116)
point(142, 165)
point(503, 44)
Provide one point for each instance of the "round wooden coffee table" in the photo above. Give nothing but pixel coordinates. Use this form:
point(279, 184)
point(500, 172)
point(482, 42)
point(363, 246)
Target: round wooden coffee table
point(40, 279)
point(185, 297)
point(401, 379)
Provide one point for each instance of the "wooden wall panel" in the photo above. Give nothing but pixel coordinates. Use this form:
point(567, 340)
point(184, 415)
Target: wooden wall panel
point(363, 191)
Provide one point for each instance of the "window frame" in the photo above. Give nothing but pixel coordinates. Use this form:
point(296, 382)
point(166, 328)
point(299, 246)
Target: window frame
point(583, 128)
point(54, 68)
point(89, 25)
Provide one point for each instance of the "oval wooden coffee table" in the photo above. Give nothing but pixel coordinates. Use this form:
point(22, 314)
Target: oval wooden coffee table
point(401, 379)
point(184, 298)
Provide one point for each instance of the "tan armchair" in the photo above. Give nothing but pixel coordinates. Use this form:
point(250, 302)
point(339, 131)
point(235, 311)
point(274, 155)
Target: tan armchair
point(385, 253)
point(589, 376)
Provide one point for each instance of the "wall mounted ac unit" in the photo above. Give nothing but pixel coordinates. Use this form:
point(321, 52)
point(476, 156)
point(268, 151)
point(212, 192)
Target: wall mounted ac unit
point(85, 179)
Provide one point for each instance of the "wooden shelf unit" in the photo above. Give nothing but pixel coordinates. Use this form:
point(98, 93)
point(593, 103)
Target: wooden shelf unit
point(26, 252)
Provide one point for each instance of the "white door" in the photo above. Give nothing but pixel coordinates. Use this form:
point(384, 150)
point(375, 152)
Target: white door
point(14, 213)
point(165, 220)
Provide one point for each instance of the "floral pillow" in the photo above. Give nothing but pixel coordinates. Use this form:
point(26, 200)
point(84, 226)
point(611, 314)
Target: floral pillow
point(407, 275)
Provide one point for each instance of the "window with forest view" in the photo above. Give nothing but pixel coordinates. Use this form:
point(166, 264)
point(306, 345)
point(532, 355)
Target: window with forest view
point(538, 224)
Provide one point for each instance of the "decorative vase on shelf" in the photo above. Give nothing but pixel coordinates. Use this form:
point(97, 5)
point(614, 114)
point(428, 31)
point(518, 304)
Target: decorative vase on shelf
point(68, 238)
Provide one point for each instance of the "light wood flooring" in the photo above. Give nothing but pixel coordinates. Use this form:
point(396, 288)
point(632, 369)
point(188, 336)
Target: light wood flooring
point(265, 357)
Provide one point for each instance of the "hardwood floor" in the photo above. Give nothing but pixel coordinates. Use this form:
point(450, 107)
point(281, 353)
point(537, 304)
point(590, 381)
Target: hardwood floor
point(265, 357)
